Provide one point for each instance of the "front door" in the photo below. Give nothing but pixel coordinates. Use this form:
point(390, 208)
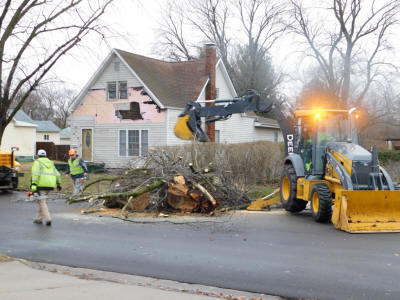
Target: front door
point(87, 144)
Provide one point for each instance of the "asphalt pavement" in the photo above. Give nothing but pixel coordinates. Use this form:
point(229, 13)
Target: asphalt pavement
point(272, 253)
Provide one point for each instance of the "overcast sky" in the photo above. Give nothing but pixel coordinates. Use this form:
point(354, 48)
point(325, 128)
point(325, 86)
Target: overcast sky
point(136, 23)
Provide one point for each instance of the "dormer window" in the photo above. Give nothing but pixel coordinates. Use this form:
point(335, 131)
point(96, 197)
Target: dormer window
point(117, 90)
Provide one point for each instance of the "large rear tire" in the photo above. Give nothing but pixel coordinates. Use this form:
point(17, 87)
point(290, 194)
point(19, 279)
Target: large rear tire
point(289, 191)
point(321, 203)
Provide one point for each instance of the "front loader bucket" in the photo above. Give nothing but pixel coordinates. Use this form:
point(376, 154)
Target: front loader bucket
point(367, 211)
point(182, 129)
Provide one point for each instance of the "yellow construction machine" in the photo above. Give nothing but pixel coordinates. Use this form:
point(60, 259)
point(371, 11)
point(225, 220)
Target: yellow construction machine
point(324, 163)
point(10, 170)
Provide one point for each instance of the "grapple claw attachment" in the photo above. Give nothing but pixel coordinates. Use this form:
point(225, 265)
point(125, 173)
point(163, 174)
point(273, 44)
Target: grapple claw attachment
point(182, 129)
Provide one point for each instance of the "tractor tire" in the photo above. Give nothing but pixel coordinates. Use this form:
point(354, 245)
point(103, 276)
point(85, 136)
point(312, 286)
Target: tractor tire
point(15, 183)
point(289, 190)
point(321, 203)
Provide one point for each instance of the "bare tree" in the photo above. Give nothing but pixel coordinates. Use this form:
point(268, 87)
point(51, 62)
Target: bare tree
point(172, 43)
point(262, 22)
point(224, 22)
point(210, 18)
point(35, 34)
point(355, 42)
point(50, 102)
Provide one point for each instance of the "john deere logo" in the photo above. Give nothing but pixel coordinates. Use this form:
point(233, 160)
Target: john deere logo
point(289, 138)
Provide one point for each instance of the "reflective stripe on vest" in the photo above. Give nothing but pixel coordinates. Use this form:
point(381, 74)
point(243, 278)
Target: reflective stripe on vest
point(74, 167)
point(42, 170)
point(47, 176)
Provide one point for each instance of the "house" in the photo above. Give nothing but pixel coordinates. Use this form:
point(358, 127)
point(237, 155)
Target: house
point(132, 102)
point(21, 133)
point(65, 136)
point(47, 131)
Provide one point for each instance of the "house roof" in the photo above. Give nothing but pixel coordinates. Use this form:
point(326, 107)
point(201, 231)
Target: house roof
point(263, 122)
point(20, 116)
point(65, 133)
point(46, 126)
point(173, 83)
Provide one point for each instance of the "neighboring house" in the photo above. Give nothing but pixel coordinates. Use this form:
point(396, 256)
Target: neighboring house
point(132, 102)
point(65, 136)
point(21, 133)
point(393, 143)
point(47, 131)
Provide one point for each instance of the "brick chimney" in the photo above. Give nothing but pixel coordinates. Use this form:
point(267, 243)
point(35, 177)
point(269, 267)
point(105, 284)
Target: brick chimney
point(211, 61)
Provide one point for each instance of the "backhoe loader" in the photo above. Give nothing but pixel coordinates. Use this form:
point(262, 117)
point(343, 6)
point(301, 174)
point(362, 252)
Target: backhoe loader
point(324, 163)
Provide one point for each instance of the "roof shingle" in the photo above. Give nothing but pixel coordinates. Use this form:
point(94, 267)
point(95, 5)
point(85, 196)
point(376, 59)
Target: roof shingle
point(173, 83)
point(46, 126)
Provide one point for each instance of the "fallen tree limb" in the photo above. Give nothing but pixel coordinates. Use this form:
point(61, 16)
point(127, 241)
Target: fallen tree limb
point(133, 193)
point(112, 178)
point(205, 192)
point(127, 172)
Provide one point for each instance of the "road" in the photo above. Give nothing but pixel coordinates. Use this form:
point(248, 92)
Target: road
point(267, 252)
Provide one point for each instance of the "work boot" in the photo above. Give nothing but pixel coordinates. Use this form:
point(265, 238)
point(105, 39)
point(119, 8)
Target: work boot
point(37, 221)
point(48, 223)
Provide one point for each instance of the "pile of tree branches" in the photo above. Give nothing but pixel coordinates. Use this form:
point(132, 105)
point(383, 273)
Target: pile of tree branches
point(168, 182)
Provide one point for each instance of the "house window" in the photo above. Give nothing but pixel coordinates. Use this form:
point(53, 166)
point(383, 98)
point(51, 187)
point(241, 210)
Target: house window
point(133, 142)
point(111, 90)
point(123, 90)
point(275, 136)
point(216, 93)
point(117, 90)
point(46, 137)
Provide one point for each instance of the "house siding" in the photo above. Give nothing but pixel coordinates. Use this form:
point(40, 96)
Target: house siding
point(77, 123)
point(267, 134)
point(65, 141)
point(53, 137)
point(106, 139)
point(18, 136)
point(171, 139)
point(110, 74)
point(106, 142)
point(223, 90)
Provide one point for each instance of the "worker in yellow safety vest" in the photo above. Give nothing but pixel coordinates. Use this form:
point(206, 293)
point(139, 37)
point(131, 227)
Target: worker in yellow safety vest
point(45, 178)
point(77, 169)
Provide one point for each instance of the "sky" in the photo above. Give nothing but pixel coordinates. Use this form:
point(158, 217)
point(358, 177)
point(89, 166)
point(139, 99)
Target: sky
point(136, 21)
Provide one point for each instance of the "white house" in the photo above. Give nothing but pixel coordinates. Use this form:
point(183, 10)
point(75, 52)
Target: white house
point(21, 133)
point(65, 136)
point(47, 131)
point(132, 102)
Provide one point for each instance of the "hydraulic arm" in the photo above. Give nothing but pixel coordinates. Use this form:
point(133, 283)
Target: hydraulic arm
point(189, 124)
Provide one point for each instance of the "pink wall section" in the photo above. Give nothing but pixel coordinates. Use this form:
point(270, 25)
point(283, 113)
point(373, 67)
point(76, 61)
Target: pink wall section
point(96, 104)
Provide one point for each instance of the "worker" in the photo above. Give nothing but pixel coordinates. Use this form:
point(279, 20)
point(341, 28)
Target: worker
point(77, 169)
point(45, 178)
point(307, 148)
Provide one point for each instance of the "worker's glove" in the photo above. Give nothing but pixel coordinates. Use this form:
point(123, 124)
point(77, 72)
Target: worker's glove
point(33, 187)
point(58, 187)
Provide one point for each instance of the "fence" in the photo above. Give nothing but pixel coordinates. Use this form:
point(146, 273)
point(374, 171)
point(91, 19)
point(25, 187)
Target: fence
point(54, 152)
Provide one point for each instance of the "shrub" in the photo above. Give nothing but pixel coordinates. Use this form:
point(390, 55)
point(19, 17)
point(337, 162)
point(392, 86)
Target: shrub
point(245, 163)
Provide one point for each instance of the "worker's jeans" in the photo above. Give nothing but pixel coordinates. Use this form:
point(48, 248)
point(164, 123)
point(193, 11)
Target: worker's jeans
point(77, 185)
point(43, 209)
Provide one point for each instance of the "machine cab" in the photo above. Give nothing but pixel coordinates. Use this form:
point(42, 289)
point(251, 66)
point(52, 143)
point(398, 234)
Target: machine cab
point(319, 127)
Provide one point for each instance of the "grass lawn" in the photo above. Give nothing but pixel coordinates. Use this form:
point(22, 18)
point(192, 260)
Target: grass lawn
point(66, 181)
point(260, 191)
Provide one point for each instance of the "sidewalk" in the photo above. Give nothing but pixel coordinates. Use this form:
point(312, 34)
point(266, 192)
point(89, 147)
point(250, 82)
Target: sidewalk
point(35, 281)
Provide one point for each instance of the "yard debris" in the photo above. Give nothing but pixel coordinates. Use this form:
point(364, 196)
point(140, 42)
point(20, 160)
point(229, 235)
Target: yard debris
point(166, 182)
